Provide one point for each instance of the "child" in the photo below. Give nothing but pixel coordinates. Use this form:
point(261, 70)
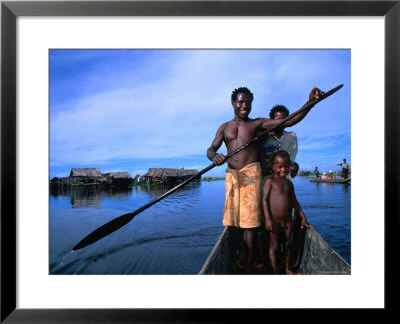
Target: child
point(278, 200)
point(294, 169)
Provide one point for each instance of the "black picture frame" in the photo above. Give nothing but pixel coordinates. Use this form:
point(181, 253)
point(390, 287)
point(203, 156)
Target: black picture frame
point(10, 10)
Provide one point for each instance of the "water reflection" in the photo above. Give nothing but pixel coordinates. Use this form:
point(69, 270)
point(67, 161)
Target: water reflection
point(155, 191)
point(346, 188)
point(91, 196)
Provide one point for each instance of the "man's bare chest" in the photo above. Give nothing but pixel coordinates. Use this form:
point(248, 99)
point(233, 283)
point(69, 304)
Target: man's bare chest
point(241, 131)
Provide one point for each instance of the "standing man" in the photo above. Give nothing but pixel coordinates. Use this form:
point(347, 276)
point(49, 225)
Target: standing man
point(345, 169)
point(243, 176)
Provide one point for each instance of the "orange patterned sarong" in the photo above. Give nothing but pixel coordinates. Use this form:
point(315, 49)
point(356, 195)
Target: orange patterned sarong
point(243, 197)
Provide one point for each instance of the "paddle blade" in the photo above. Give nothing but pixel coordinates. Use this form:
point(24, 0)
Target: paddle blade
point(104, 230)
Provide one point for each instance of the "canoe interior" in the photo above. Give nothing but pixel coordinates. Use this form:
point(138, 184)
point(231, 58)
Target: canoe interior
point(311, 255)
point(223, 257)
point(318, 258)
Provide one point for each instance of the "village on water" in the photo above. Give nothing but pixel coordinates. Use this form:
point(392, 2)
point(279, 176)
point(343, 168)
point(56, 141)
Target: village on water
point(88, 177)
point(82, 177)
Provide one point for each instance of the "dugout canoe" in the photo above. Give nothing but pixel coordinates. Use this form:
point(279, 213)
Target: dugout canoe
point(343, 181)
point(315, 256)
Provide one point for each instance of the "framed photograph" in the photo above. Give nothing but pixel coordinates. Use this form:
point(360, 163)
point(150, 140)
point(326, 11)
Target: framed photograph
point(35, 34)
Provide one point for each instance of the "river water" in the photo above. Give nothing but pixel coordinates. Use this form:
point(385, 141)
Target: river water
point(175, 235)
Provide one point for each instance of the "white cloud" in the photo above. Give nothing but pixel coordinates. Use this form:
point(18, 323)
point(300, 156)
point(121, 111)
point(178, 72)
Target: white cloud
point(173, 106)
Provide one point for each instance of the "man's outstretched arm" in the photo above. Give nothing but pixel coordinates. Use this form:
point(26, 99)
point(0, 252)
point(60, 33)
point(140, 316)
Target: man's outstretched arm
point(295, 117)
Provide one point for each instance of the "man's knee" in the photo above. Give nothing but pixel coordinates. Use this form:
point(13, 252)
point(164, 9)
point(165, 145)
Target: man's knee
point(249, 235)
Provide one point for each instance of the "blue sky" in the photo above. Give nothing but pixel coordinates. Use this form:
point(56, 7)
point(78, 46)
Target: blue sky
point(130, 110)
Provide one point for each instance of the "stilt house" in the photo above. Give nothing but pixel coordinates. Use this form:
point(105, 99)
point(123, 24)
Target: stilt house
point(167, 175)
point(119, 179)
point(85, 176)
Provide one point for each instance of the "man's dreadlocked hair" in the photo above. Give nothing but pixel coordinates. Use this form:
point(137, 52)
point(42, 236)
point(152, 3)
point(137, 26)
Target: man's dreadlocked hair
point(241, 90)
point(278, 108)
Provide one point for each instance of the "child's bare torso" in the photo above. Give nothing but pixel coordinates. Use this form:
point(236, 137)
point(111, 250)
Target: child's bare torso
point(280, 202)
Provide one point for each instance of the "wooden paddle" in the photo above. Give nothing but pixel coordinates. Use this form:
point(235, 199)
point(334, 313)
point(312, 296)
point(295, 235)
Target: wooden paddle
point(120, 221)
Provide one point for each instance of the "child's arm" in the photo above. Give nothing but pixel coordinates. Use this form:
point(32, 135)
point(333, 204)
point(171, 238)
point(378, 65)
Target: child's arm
point(265, 203)
point(297, 206)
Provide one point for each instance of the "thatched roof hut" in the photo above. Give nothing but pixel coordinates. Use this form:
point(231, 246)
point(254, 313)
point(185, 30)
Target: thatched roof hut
point(155, 172)
point(118, 175)
point(93, 176)
point(170, 173)
point(166, 175)
point(86, 172)
point(187, 173)
point(122, 179)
